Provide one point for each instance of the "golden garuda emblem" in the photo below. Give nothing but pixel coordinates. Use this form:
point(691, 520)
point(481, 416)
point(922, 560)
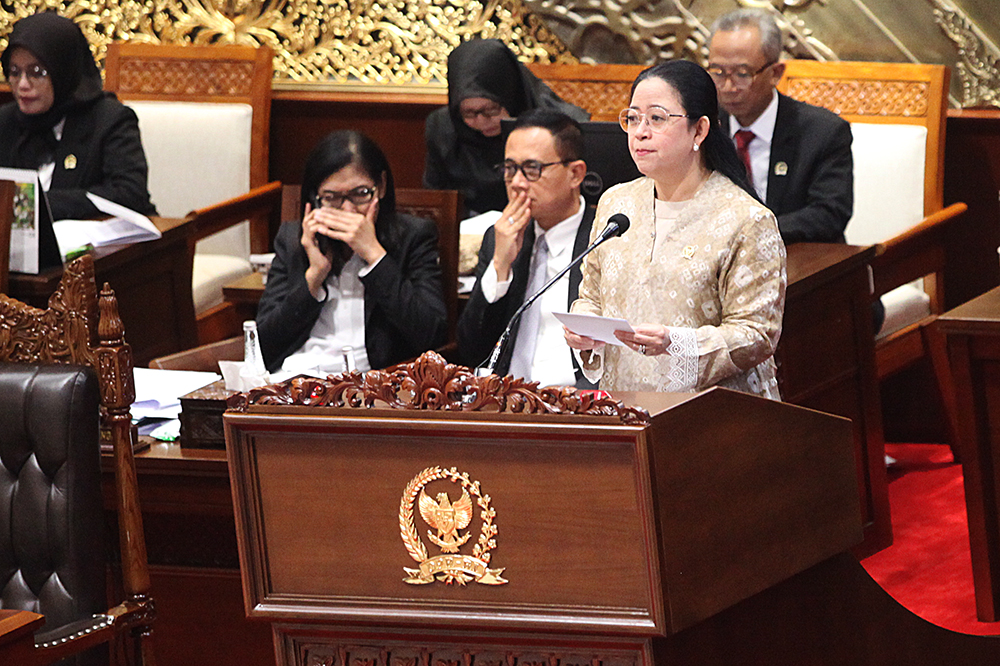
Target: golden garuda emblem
point(447, 519)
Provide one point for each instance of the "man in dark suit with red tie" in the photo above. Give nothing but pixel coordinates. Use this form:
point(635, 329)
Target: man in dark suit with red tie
point(545, 224)
point(798, 155)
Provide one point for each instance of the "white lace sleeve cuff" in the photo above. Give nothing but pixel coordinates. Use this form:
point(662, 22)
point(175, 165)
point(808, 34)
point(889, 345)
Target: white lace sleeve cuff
point(682, 360)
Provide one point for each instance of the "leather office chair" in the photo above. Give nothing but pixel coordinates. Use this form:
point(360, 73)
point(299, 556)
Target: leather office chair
point(204, 114)
point(71, 332)
point(898, 114)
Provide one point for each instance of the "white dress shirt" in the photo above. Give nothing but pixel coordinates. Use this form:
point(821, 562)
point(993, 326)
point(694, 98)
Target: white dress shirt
point(341, 323)
point(553, 364)
point(760, 148)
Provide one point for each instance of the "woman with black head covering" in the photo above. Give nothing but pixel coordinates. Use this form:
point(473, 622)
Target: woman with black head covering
point(486, 83)
point(354, 272)
point(61, 123)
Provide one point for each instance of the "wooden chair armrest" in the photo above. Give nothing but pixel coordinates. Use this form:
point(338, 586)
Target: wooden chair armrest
point(75, 637)
point(915, 253)
point(261, 205)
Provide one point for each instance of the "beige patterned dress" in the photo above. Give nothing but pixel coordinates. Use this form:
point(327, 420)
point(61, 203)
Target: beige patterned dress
point(716, 280)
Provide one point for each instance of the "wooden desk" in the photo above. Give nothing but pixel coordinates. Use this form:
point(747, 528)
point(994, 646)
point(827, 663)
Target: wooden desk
point(152, 281)
point(187, 512)
point(17, 636)
point(972, 332)
point(826, 361)
point(826, 358)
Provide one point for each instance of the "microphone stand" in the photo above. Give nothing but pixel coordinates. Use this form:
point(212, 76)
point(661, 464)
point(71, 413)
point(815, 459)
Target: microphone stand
point(486, 369)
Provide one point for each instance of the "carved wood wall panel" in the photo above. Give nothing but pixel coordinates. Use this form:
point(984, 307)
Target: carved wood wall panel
point(873, 98)
point(399, 44)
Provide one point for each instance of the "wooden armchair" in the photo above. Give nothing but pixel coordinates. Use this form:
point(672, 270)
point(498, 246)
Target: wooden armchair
point(204, 114)
point(897, 113)
point(603, 90)
point(71, 331)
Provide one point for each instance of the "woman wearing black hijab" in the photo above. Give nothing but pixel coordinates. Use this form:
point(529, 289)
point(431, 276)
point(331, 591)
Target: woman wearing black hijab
point(61, 123)
point(486, 83)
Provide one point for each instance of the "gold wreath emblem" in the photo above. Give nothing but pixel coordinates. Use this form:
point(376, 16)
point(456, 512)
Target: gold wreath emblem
point(448, 519)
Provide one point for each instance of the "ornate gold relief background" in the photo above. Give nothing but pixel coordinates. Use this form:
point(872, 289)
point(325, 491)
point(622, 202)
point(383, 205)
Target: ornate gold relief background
point(399, 44)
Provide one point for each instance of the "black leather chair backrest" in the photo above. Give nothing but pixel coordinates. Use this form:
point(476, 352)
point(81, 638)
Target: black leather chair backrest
point(52, 550)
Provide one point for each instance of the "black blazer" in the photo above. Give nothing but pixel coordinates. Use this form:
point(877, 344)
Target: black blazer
point(810, 181)
point(100, 152)
point(482, 323)
point(405, 314)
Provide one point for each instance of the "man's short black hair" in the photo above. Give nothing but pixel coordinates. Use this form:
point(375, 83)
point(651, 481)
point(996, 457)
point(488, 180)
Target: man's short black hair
point(566, 131)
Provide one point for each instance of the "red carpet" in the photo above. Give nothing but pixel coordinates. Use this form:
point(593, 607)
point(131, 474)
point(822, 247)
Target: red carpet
point(927, 569)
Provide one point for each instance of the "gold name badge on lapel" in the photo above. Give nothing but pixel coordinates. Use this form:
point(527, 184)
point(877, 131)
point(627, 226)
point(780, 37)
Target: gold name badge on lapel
point(688, 251)
point(70, 162)
point(780, 169)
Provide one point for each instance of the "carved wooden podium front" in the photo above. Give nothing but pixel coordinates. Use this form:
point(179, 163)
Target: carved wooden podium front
point(427, 517)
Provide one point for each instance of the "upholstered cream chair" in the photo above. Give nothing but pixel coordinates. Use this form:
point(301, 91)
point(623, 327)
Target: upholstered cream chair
point(204, 114)
point(897, 113)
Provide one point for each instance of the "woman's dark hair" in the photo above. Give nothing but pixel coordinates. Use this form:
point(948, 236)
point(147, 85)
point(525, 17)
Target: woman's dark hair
point(336, 151)
point(697, 92)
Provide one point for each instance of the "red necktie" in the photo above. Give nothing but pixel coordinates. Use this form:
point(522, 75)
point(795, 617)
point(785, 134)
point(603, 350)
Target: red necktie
point(743, 139)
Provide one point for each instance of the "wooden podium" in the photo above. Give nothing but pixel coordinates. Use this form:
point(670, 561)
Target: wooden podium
point(450, 520)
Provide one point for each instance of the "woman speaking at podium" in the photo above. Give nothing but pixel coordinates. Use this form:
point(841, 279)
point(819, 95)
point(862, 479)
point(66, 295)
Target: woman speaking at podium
point(700, 274)
point(354, 285)
point(61, 123)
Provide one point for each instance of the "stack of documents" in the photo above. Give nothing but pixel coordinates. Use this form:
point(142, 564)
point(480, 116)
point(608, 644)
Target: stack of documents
point(125, 226)
point(158, 392)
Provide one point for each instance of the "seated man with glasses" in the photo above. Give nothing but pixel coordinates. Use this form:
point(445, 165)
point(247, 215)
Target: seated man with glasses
point(486, 84)
point(797, 155)
point(543, 227)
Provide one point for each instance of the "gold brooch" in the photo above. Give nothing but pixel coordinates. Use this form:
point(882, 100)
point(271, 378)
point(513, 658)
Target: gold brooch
point(780, 169)
point(447, 519)
point(70, 162)
point(688, 251)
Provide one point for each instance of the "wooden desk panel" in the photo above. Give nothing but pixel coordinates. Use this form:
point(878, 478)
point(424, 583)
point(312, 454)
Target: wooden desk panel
point(187, 512)
point(826, 361)
point(152, 281)
point(972, 332)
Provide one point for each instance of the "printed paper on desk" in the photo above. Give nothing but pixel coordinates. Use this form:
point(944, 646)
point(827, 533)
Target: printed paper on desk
point(124, 226)
point(593, 326)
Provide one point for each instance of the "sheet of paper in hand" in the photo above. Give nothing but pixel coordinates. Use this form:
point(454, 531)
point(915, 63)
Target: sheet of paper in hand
point(593, 326)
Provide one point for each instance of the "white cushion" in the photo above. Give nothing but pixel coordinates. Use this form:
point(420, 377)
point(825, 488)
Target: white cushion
point(904, 306)
point(199, 155)
point(888, 181)
point(211, 273)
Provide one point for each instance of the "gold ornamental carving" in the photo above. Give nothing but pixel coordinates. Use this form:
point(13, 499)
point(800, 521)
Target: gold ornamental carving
point(978, 65)
point(336, 42)
point(863, 98)
point(448, 519)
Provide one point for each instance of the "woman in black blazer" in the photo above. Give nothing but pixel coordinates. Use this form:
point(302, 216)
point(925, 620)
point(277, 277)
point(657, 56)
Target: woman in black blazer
point(61, 123)
point(353, 273)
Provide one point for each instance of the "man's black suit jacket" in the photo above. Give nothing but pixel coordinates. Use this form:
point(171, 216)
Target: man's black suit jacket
point(482, 323)
point(810, 178)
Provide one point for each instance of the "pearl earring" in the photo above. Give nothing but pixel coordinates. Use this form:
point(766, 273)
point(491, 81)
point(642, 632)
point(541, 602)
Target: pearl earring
point(696, 147)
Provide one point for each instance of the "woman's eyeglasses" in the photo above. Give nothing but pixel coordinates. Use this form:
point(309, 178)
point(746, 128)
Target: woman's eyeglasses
point(532, 169)
point(487, 112)
point(657, 118)
point(359, 196)
point(34, 73)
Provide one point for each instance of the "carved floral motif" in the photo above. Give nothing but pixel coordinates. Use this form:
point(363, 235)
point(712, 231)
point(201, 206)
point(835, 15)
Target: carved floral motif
point(431, 383)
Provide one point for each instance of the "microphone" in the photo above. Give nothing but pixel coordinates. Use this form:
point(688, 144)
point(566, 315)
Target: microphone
point(616, 226)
